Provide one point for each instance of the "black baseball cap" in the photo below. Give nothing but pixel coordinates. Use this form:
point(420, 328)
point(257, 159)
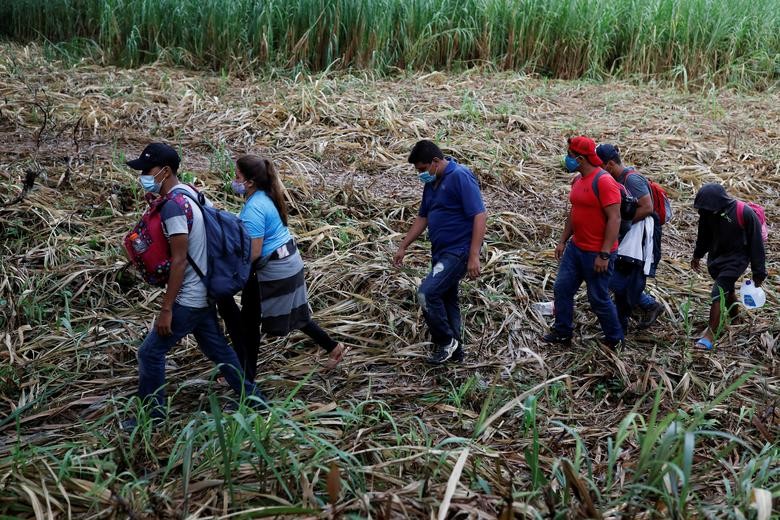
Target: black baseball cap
point(608, 152)
point(156, 154)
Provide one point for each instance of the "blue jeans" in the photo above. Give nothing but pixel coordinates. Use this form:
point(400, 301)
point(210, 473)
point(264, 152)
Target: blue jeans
point(628, 285)
point(646, 302)
point(577, 267)
point(203, 324)
point(438, 296)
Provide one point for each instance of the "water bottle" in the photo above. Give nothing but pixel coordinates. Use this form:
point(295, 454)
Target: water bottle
point(139, 244)
point(544, 308)
point(752, 297)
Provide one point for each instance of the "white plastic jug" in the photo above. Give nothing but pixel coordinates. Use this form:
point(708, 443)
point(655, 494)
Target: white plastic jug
point(752, 297)
point(544, 308)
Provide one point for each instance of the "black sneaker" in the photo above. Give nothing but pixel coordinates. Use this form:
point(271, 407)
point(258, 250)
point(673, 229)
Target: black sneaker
point(230, 407)
point(445, 352)
point(557, 339)
point(651, 316)
point(458, 355)
point(612, 344)
point(258, 402)
point(128, 425)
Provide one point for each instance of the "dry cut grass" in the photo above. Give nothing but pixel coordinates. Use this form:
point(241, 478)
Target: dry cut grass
point(520, 428)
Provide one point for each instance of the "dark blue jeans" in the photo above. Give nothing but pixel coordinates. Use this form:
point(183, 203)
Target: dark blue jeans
point(438, 296)
point(243, 324)
point(577, 267)
point(628, 285)
point(203, 324)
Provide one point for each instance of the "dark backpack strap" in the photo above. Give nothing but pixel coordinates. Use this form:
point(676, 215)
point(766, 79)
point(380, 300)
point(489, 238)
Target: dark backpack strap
point(629, 172)
point(196, 268)
point(595, 185)
point(187, 194)
point(632, 171)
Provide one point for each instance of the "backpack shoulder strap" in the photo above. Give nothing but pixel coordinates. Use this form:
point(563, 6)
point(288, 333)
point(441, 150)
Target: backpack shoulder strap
point(741, 214)
point(595, 184)
point(650, 184)
point(187, 194)
point(190, 260)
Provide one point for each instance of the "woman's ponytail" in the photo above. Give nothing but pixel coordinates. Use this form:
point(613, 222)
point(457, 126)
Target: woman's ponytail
point(262, 172)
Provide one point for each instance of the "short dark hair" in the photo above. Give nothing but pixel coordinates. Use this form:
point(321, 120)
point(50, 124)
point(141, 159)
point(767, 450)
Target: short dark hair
point(425, 152)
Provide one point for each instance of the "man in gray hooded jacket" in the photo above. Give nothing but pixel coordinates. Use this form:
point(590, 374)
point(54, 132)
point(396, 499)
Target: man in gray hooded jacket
point(730, 247)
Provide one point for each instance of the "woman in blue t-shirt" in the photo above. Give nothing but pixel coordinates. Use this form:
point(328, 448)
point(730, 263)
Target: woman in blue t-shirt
point(276, 293)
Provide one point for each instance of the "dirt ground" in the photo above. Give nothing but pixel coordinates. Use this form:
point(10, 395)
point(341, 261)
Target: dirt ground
point(73, 314)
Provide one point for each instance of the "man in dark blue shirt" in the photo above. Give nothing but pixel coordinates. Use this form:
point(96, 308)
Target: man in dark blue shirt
point(454, 214)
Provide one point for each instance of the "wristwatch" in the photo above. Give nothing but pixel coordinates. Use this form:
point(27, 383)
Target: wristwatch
point(604, 256)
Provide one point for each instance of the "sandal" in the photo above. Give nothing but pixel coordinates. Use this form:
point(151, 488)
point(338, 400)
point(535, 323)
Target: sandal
point(704, 343)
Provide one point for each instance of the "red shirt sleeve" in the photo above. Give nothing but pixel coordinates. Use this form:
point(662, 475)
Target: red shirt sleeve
point(609, 191)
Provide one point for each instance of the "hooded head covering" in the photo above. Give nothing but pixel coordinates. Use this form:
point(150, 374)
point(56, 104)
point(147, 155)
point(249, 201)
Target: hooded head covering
point(712, 197)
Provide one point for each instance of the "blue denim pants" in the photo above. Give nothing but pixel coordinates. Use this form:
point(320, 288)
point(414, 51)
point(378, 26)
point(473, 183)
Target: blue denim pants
point(628, 285)
point(203, 324)
point(577, 267)
point(438, 296)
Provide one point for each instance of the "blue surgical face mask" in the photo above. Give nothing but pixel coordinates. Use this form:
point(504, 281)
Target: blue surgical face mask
point(238, 187)
point(149, 184)
point(426, 177)
point(571, 164)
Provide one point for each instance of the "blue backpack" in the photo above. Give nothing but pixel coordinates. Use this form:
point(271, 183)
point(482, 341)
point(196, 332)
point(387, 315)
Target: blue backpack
point(229, 249)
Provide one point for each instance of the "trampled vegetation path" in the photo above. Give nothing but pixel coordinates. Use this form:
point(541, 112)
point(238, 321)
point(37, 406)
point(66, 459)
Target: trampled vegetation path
point(547, 432)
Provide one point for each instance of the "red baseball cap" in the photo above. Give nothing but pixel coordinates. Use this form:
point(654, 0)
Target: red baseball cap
point(586, 147)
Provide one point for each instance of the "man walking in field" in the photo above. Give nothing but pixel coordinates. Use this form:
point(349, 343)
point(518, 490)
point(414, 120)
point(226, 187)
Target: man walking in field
point(636, 252)
point(639, 187)
point(731, 243)
point(592, 225)
point(185, 307)
point(453, 212)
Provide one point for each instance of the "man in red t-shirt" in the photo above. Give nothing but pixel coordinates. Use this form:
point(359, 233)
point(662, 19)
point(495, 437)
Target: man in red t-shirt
point(592, 224)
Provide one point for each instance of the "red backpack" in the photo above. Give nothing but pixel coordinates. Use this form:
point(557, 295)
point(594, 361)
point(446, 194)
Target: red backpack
point(147, 247)
point(760, 213)
point(661, 205)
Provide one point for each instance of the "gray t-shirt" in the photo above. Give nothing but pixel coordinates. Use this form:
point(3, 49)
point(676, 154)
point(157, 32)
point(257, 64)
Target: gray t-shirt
point(181, 216)
point(635, 183)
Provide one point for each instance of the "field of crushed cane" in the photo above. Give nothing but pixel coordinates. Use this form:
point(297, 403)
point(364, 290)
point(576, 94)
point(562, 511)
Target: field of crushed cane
point(519, 430)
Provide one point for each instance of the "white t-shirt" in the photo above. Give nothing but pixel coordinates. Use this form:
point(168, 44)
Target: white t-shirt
point(182, 216)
